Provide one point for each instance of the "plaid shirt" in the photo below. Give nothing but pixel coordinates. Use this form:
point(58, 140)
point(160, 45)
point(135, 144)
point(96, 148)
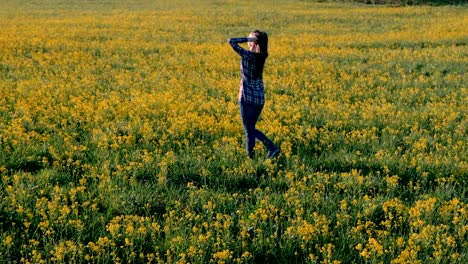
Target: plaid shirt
point(251, 66)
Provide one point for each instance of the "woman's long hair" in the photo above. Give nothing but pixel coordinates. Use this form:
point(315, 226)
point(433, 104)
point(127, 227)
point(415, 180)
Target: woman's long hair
point(262, 40)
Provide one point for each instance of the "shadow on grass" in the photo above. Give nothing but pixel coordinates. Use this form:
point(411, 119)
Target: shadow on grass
point(179, 175)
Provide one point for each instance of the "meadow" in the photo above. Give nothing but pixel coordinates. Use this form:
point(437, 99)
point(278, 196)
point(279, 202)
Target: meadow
point(121, 139)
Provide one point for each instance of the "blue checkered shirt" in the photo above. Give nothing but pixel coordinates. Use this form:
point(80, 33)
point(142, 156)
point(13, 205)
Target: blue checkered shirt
point(251, 67)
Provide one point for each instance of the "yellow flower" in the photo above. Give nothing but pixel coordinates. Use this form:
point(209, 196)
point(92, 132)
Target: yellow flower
point(222, 256)
point(8, 241)
point(358, 247)
point(306, 231)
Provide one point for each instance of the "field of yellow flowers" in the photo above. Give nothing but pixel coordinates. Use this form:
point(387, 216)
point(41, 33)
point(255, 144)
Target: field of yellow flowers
point(121, 140)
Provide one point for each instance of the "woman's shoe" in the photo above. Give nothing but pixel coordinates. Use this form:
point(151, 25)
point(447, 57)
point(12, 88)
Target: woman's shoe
point(273, 153)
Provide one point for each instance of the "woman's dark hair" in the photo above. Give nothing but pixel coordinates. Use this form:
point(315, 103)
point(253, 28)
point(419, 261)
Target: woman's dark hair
point(262, 40)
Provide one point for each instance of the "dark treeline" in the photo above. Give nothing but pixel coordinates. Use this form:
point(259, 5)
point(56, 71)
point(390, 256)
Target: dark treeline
point(403, 2)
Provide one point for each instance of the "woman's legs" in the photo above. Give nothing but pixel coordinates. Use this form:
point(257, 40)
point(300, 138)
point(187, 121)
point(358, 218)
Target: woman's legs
point(250, 114)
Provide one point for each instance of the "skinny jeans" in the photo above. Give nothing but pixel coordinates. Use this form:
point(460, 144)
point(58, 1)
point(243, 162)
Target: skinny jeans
point(250, 114)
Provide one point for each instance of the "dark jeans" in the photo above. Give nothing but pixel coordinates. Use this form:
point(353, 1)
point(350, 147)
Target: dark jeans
point(250, 113)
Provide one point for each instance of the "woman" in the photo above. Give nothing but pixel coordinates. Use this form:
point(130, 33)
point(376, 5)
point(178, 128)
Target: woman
point(251, 93)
